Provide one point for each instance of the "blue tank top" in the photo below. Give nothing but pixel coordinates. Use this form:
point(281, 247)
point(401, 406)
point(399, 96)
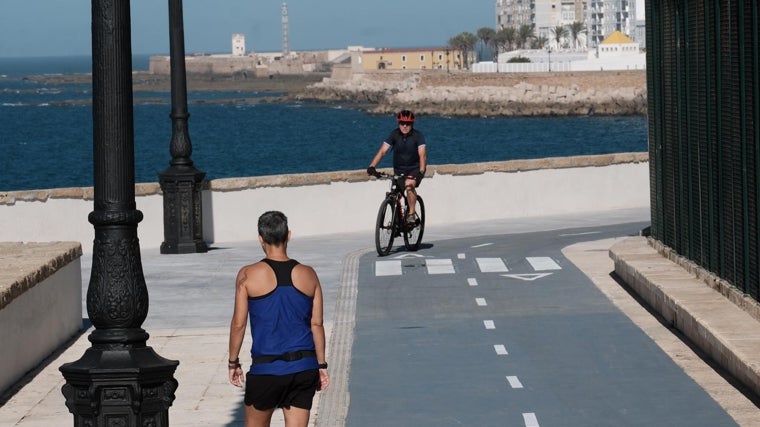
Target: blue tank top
point(281, 324)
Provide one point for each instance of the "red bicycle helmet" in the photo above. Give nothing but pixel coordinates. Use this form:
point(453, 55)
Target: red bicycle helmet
point(405, 116)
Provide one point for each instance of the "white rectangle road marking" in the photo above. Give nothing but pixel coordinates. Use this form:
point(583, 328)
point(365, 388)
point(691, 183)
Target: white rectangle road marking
point(481, 302)
point(489, 324)
point(542, 263)
point(439, 266)
point(500, 349)
point(491, 265)
point(472, 281)
point(387, 268)
point(461, 256)
point(514, 382)
point(530, 419)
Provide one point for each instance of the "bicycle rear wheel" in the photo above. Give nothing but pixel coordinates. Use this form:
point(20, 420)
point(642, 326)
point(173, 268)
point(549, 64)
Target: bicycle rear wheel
point(413, 235)
point(384, 227)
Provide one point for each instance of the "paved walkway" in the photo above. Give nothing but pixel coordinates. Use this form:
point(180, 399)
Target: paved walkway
point(190, 307)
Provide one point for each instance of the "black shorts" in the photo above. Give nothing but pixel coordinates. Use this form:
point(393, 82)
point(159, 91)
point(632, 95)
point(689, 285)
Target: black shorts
point(281, 391)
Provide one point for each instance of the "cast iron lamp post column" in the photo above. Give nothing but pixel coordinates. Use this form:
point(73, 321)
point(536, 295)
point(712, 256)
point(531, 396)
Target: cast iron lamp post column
point(119, 381)
point(181, 182)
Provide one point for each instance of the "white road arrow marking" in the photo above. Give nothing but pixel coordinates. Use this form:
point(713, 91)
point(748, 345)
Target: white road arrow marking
point(527, 277)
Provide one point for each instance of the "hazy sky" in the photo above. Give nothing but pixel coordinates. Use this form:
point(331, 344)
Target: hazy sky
point(62, 27)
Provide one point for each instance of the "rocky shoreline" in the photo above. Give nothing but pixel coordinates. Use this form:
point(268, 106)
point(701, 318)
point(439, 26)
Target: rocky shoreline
point(426, 92)
point(505, 94)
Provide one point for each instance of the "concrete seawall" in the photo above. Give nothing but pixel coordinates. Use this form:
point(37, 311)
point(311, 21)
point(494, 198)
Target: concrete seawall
point(346, 201)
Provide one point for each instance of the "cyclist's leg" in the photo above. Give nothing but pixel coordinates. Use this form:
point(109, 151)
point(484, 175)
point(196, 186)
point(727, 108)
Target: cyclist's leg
point(411, 194)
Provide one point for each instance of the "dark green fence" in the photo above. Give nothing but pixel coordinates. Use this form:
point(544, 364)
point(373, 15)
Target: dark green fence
point(703, 87)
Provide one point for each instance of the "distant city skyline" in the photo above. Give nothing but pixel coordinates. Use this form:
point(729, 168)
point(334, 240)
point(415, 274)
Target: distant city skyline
point(31, 28)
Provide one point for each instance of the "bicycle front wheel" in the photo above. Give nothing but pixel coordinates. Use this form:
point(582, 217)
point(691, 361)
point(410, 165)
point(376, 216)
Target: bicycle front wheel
point(384, 228)
point(413, 234)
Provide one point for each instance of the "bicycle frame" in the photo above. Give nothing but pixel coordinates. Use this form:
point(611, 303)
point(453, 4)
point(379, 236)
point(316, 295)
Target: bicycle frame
point(391, 220)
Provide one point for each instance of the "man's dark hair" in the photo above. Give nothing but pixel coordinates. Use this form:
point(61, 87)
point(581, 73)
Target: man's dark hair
point(273, 228)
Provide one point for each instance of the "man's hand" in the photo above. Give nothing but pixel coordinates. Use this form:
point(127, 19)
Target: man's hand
point(371, 171)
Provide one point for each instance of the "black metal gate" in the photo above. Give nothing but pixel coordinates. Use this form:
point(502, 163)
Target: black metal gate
point(703, 83)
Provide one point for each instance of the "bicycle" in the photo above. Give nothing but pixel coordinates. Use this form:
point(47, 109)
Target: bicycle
point(391, 218)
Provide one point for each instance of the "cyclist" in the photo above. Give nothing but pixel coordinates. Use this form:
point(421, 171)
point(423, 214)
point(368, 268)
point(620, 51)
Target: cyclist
point(409, 157)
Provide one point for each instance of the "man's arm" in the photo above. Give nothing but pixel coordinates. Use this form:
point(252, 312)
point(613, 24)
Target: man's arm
point(380, 153)
point(422, 151)
point(318, 331)
point(237, 327)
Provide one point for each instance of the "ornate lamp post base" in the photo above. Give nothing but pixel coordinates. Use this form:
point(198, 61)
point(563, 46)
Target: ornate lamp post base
point(120, 383)
point(183, 223)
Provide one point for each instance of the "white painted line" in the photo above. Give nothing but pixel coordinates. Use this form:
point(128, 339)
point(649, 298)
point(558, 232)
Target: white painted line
point(500, 349)
point(530, 419)
point(580, 234)
point(514, 382)
point(461, 256)
point(491, 265)
point(489, 324)
point(528, 277)
point(408, 255)
point(472, 281)
point(481, 302)
point(542, 263)
point(482, 245)
point(439, 266)
point(387, 268)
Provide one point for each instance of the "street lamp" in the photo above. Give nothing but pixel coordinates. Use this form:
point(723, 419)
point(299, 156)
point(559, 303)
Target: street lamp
point(447, 60)
point(181, 183)
point(549, 50)
point(119, 381)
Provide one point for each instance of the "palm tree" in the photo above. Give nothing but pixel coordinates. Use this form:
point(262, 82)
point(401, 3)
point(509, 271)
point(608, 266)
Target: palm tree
point(463, 42)
point(559, 32)
point(486, 36)
point(524, 34)
point(539, 42)
point(505, 38)
point(576, 29)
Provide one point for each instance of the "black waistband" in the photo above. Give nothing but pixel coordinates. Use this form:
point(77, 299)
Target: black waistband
point(288, 357)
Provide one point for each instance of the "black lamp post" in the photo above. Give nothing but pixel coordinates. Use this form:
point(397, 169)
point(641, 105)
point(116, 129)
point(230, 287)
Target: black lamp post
point(181, 183)
point(119, 380)
point(549, 50)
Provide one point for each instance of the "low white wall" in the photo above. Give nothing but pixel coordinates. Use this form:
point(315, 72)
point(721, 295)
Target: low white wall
point(37, 322)
point(348, 201)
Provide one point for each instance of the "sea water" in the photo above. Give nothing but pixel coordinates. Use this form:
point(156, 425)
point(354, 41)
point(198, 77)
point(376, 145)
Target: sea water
point(46, 133)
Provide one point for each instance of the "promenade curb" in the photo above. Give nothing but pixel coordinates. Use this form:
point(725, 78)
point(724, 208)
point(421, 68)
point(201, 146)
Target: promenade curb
point(701, 313)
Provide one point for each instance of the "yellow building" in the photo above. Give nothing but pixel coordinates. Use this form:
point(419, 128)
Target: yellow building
point(434, 58)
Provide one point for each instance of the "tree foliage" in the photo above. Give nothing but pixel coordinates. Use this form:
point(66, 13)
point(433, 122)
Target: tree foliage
point(464, 43)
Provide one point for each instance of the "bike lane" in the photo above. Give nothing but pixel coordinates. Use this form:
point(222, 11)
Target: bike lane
point(503, 330)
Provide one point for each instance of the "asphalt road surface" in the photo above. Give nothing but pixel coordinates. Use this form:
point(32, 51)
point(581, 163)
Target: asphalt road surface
point(504, 331)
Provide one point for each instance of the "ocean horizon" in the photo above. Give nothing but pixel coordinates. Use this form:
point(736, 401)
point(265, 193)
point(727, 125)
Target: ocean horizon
point(47, 133)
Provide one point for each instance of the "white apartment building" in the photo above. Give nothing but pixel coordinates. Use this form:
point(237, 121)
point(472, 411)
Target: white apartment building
point(607, 16)
point(602, 17)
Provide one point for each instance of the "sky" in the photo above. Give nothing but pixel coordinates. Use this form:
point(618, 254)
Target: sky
point(30, 28)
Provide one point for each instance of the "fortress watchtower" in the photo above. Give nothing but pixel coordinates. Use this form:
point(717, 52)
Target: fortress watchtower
point(238, 45)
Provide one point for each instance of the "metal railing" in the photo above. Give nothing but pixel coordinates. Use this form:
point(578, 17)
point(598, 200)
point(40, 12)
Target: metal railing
point(703, 82)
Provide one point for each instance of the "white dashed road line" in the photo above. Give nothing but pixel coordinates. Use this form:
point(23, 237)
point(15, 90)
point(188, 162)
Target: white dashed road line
point(530, 419)
point(439, 266)
point(489, 324)
point(500, 349)
point(481, 302)
point(514, 382)
point(472, 281)
point(492, 265)
point(543, 263)
point(387, 268)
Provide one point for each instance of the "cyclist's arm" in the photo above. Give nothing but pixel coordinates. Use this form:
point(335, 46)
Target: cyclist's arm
point(380, 153)
point(423, 158)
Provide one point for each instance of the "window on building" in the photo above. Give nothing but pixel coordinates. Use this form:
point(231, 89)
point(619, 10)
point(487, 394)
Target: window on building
point(422, 58)
point(403, 58)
